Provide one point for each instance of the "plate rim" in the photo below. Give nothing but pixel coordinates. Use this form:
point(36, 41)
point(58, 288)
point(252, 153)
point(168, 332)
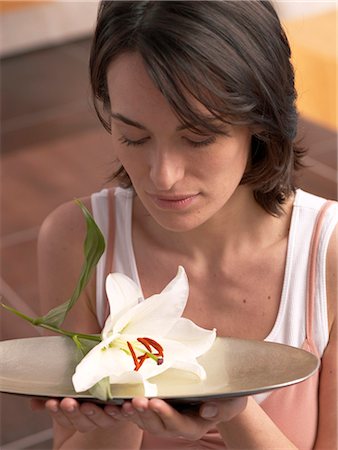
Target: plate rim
point(85, 396)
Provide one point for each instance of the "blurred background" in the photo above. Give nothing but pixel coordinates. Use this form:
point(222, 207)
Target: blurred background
point(54, 149)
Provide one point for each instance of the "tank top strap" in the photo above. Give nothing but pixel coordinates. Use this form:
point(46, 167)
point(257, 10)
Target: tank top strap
point(109, 246)
point(311, 275)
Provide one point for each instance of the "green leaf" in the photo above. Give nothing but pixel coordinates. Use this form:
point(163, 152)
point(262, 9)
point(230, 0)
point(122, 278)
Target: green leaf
point(94, 246)
point(83, 345)
point(102, 389)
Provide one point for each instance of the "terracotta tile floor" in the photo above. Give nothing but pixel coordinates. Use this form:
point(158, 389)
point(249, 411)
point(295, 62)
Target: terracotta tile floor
point(53, 149)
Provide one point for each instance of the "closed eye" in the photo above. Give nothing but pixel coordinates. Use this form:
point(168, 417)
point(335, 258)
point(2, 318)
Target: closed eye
point(131, 142)
point(204, 143)
point(196, 144)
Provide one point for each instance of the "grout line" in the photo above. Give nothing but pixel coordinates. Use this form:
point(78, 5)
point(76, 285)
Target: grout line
point(29, 441)
point(20, 237)
point(11, 297)
point(320, 169)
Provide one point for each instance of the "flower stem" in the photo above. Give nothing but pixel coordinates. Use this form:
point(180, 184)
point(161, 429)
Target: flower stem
point(90, 337)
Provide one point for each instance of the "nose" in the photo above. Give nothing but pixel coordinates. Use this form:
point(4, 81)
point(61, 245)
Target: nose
point(166, 169)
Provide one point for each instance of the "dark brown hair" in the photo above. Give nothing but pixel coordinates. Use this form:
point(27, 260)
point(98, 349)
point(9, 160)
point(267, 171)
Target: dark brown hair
point(232, 56)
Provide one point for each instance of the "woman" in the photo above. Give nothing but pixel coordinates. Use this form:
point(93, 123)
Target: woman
point(199, 99)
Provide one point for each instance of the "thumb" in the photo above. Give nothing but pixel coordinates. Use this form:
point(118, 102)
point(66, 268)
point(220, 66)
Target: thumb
point(223, 410)
point(209, 411)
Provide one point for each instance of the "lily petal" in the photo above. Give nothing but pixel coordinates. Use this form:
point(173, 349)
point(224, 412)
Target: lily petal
point(184, 358)
point(150, 389)
point(122, 294)
point(190, 365)
point(102, 361)
point(123, 357)
point(157, 314)
point(192, 336)
point(130, 377)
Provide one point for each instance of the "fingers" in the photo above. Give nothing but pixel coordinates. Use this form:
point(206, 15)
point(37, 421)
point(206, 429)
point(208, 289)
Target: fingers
point(154, 415)
point(158, 417)
point(97, 416)
point(83, 418)
point(138, 411)
point(223, 410)
point(189, 426)
point(53, 407)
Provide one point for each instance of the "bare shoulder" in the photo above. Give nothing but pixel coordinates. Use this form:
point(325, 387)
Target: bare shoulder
point(331, 276)
point(60, 258)
point(65, 221)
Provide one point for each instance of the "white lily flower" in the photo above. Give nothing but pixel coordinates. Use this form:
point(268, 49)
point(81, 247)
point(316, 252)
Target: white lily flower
point(144, 337)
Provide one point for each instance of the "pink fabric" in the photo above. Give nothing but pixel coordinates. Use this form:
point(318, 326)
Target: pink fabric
point(295, 410)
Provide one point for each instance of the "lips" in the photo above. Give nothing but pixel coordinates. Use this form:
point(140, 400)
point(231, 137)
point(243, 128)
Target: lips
point(180, 201)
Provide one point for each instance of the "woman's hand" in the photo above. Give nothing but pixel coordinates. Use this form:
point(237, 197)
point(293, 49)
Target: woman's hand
point(84, 417)
point(158, 417)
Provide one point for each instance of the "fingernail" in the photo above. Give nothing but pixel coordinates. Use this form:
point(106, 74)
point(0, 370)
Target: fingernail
point(54, 408)
point(209, 411)
point(90, 412)
point(111, 412)
point(139, 409)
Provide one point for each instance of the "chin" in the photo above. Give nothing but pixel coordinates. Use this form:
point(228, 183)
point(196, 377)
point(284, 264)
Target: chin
point(175, 220)
point(177, 224)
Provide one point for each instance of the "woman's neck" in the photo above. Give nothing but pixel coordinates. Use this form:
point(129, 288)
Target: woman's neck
point(242, 223)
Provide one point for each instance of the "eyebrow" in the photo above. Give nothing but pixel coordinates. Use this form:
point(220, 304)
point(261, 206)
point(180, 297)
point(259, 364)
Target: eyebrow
point(128, 121)
point(138, 125)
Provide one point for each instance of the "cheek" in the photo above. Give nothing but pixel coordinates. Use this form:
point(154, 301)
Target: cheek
point(122, 154)
point(132, 164)
point(229, 165)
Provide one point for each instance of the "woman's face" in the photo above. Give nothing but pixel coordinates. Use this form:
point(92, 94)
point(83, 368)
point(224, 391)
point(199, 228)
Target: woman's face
point(181, 177)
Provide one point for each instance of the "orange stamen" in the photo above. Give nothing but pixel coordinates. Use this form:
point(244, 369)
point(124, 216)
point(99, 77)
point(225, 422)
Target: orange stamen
point(154, 344)
point(141, 358)
point(145, 343)
point(148, 344)
point(133, 354)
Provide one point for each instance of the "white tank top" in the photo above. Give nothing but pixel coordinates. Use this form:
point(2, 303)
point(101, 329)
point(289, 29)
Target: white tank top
point(290, 324)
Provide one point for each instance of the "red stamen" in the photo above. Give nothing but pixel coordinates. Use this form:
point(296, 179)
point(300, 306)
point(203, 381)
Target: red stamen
point(145, 343)
point(154, 344)
point(141, 360)
point(133, 354)
point(148, 344)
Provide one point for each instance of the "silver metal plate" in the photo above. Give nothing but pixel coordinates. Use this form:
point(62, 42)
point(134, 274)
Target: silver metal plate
point(43, 367)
